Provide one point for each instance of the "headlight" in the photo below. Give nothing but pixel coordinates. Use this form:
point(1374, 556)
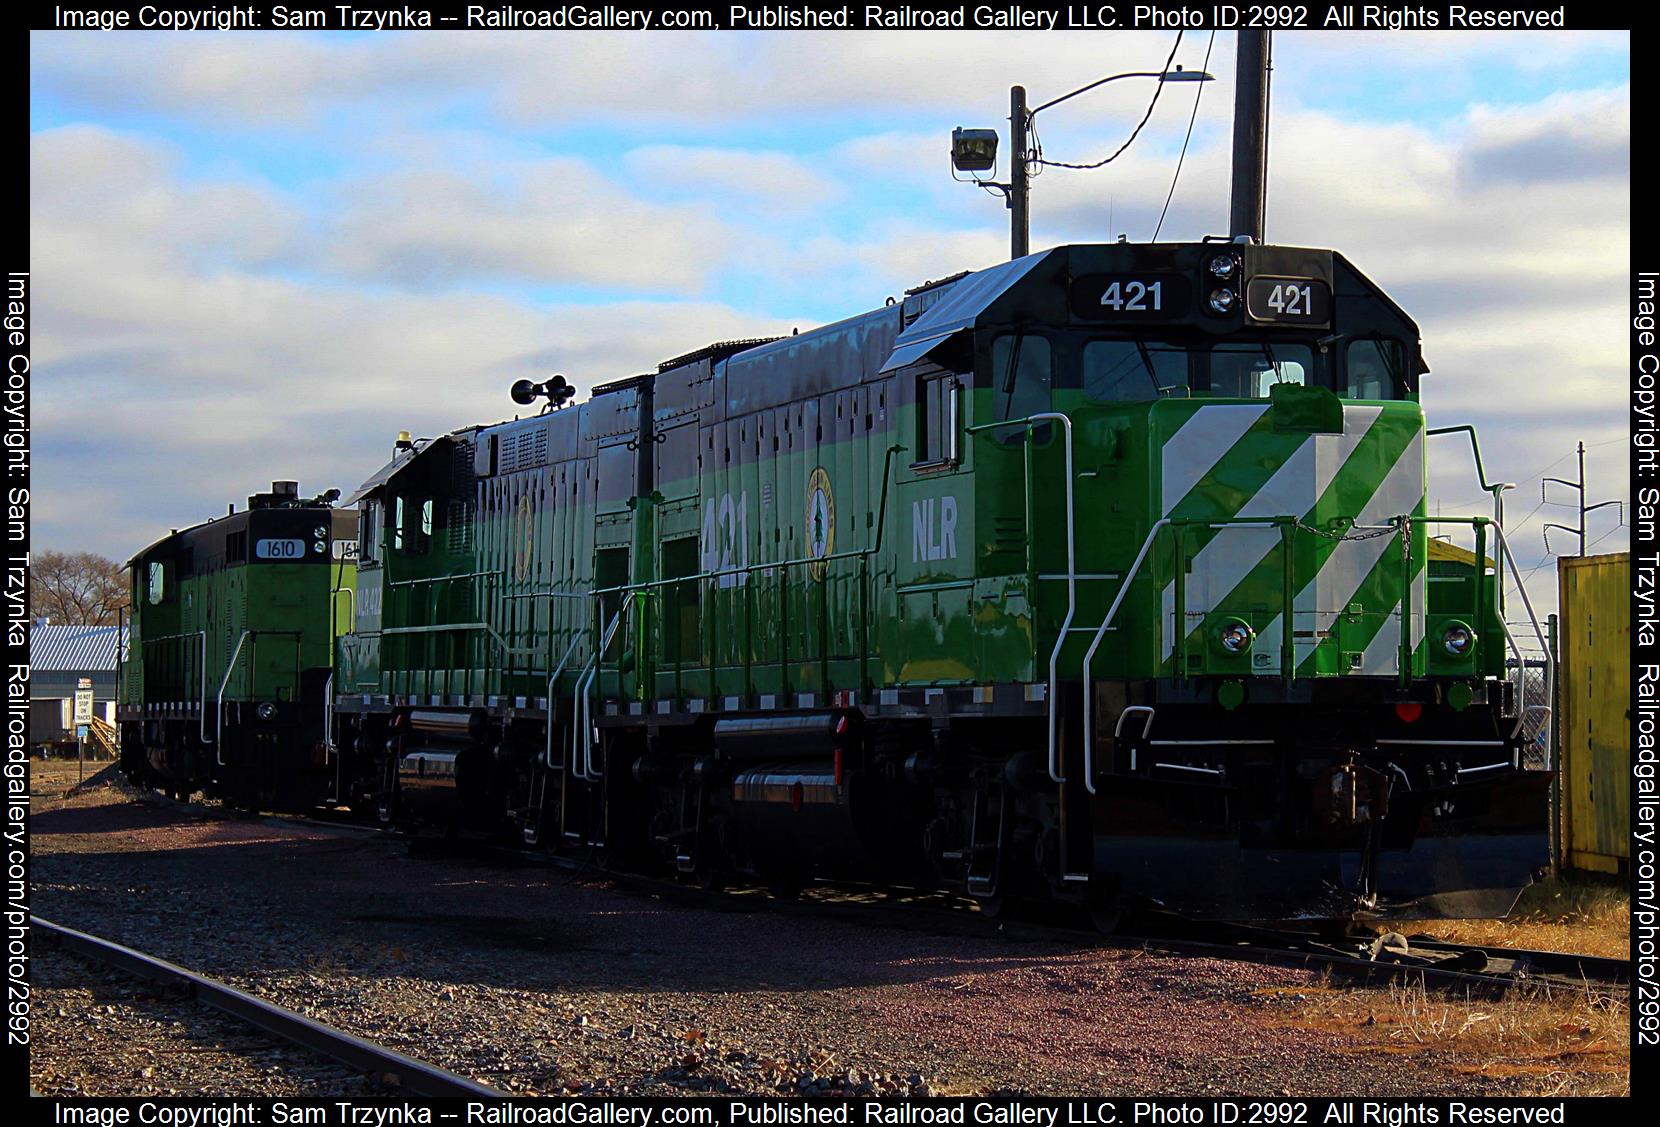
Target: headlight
point(266, 710)
point(1235, 637)
point(1458, 639)
point(1222, 301)
point(1222, 266)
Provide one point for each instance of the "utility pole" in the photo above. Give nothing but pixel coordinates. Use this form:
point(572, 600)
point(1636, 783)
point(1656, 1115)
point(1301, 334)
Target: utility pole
point(1579, 487)
point(1020, 186)
point(975, 150)
point(1250, 135)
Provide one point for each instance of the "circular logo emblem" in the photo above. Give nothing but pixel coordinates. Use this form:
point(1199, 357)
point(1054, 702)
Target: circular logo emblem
point(526, 539)
point(821, 520)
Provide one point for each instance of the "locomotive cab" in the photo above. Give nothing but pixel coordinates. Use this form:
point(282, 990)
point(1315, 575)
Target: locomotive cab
point(1218, 456)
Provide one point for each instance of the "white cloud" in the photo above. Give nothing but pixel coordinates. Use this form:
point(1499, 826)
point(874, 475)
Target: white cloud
point(776, 181)
point(210, 381)
point(553, 220)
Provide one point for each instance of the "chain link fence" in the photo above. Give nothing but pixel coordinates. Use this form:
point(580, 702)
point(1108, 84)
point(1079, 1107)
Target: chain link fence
point(1533, 693)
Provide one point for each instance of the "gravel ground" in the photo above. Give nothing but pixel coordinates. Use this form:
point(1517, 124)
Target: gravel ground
point(101, 1032)
point(535, 981)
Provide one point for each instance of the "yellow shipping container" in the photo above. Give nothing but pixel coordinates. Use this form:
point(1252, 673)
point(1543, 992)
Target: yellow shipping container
point(1595, 701)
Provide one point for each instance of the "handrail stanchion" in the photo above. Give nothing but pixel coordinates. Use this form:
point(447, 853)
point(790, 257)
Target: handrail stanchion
point(1550, 658)
point(1089, 658)
point(553, 677)
point(1288, 600)
point(219, 700)
point(1052, 690)
point(1403, 675)
point(1178, 622)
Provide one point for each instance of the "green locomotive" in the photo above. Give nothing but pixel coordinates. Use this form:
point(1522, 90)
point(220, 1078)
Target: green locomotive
point(226, 688)
point(1098, 575)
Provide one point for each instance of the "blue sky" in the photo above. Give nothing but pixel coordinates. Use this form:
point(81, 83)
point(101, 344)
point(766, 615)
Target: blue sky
point(282, 248)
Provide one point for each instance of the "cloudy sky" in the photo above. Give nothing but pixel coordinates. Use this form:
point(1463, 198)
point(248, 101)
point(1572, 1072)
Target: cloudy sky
point(260, 256)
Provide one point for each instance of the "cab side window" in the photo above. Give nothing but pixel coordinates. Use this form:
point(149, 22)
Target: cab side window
point(412, 524)
point(369, 533)
point(937, 418)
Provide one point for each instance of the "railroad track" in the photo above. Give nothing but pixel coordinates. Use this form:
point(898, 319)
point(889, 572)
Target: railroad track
point(1364, 959)
point(1390, 957)
point(413, 1076)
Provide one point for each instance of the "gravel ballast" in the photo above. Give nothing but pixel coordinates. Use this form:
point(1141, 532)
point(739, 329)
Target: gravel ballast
point(537, 981)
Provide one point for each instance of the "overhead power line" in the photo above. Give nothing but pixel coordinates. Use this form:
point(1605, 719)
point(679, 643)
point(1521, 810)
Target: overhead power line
point(1197, 94)
point(1038, 146)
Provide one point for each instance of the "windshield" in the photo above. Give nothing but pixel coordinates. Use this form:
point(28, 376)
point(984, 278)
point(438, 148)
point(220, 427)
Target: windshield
point(1120, 370)
point(1248, 371)
point(1128, 371)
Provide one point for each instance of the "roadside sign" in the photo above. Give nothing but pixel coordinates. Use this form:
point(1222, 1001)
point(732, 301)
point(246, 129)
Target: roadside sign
point(83, 706)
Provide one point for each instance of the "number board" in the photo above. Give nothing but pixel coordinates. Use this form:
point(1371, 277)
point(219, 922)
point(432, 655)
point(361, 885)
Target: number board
point(1295, 301)
point(1131, 297)
point(279, 549)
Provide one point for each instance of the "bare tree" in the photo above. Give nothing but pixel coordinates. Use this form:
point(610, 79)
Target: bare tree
point(77, 589)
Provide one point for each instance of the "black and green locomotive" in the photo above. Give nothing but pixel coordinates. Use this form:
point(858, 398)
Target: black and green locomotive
point(1097, 576)
point(227, 687)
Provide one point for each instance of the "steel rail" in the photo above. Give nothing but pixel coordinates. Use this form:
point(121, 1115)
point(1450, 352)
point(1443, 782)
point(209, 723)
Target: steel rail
point(1241, 943)
point(414, 1076)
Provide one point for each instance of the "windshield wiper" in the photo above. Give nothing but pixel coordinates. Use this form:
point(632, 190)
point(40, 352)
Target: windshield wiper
point(1147, 362)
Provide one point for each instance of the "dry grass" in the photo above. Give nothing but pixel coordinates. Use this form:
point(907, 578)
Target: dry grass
point(1586, 916)
point(1542, 1041)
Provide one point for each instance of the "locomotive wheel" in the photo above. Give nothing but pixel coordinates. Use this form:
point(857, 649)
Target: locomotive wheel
point(1108, 918)
point(785, 888)
point(996, 907)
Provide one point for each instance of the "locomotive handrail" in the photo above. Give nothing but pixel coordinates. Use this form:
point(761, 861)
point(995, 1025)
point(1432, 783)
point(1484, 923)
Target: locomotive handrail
point(420, 579)
point(219, 700)
point(351, 594)
point(335, 638)
point(201, 692)
point(1071, 570)
point(236, 655)
point(547, 758)
point(1527, 604)
point(329, 749)
point(1496, 488)
point(579, 697)
point(201, 697)
point(1118, 600)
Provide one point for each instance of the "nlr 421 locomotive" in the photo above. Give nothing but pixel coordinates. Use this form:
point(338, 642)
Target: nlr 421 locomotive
point(1098, 575)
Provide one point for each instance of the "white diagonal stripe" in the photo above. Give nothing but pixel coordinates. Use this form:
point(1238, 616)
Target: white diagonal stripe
point(1199, 444)
point(1383, 652)
point(1351, 561)
point(1234, 552)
